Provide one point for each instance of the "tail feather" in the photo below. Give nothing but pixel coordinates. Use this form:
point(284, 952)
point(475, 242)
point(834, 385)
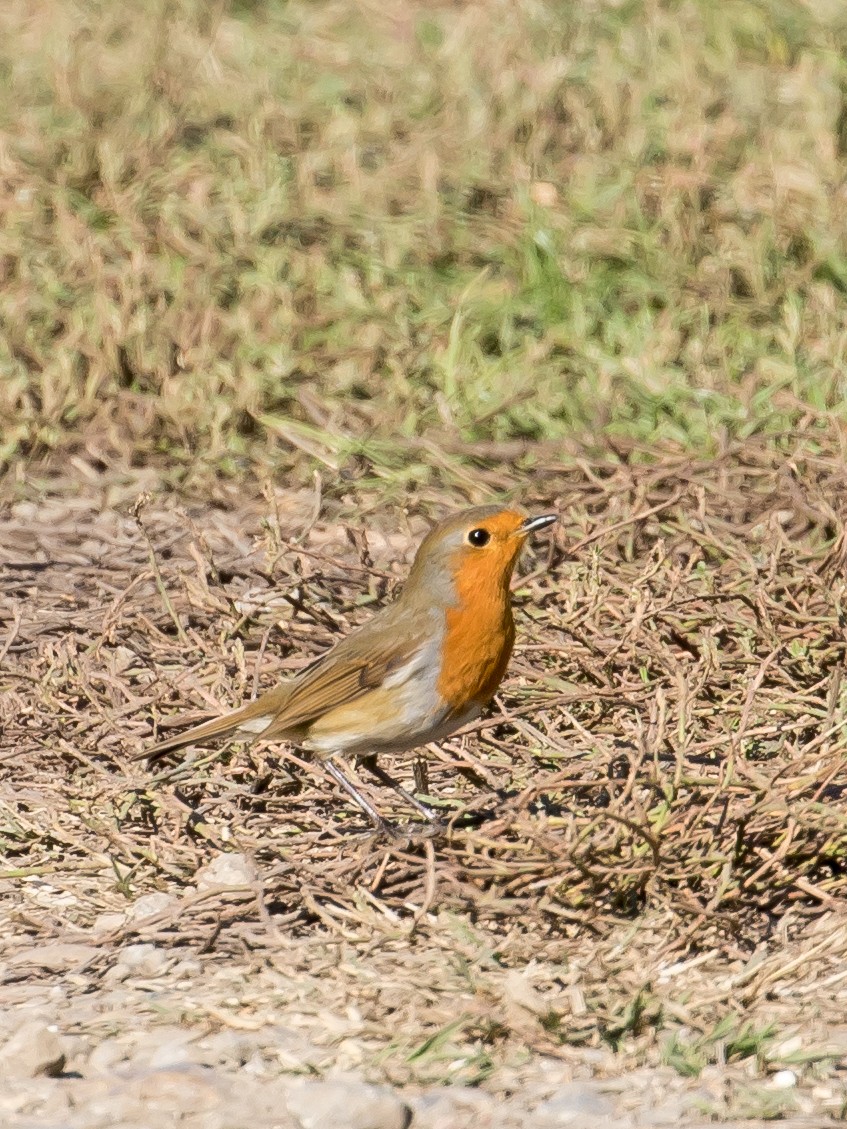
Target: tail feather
point(217, 727)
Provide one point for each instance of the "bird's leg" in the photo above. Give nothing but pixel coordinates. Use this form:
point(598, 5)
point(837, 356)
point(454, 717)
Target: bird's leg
point(350, 788)
point(369, 762)
point(421, 770)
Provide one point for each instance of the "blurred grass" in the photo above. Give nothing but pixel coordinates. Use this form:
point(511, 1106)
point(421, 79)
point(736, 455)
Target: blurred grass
point(346, 235)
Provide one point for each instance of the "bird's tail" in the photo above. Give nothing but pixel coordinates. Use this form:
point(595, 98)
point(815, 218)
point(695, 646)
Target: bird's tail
point(217, 727)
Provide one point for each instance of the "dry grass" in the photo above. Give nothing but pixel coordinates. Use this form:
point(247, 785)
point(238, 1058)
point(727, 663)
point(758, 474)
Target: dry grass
point(668, 751)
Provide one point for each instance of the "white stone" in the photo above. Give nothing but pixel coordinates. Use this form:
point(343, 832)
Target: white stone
point(784, 1080)
point(572, 1104)
point(35, 1048)
point(227, 870)
point(346, 1105)
point(151, 905)
point(141, 961)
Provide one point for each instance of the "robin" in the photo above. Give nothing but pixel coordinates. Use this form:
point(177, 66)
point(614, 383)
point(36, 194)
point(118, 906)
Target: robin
point(419, 669)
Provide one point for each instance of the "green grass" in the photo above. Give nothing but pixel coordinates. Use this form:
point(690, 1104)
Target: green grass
point(730, 1039)
point(314, 235)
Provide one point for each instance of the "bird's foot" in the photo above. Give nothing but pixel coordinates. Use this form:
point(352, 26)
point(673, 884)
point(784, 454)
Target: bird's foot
point(413, 832)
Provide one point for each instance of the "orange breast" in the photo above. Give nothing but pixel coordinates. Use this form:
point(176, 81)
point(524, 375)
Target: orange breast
point(478, 641)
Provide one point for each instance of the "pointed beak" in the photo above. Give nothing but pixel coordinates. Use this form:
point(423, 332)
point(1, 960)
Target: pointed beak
point(532, 524)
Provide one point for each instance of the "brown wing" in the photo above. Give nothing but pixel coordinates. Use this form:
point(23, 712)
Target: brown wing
point(360, 663)
point(356, 665)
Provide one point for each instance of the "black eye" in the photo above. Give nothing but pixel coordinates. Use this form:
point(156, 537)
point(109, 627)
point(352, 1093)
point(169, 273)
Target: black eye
point(479, 537)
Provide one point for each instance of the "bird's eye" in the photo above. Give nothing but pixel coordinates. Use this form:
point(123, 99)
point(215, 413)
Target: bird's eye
point(479, 537)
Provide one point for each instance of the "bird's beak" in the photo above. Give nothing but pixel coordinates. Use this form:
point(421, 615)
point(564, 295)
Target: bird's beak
point(534, 523)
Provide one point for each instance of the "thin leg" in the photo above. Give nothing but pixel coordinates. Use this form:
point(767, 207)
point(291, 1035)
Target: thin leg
point(352, 791)
point(421, 770)
point(382, 776)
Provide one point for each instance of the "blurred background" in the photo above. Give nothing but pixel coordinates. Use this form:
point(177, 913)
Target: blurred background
point(396, 240)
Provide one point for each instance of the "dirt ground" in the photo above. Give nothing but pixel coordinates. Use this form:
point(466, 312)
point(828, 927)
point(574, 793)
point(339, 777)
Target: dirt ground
point(636, 917)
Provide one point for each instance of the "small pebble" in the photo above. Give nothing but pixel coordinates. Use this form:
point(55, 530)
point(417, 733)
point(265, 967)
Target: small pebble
point(227, 870)
point(55, 957)
point(109, 922)
point(181, 1095)
point(35, 1048)
point(784, 1080)
point(151, 905)
point(573, 1103)
point(455, 1107)
point(143, 961)
point(347, 1105)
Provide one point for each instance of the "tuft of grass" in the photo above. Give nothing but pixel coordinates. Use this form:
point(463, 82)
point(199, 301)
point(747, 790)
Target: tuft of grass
point(730, 1039)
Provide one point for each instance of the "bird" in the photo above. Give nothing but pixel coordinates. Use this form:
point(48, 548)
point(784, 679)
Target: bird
point(422, 667)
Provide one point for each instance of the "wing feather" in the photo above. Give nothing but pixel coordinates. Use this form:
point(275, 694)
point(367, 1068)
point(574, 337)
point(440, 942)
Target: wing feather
point(356, 665)
point(347, 673)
